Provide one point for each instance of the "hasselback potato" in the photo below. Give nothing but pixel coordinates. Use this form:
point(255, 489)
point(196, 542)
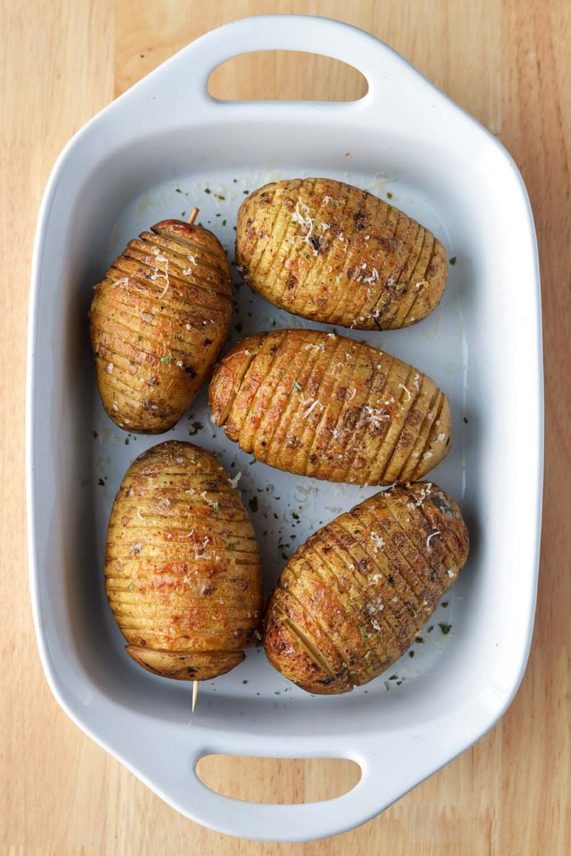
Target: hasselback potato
point(333, 253)
point(351, 600)
point(326, 406)
point(182, 570)
point(158, 320)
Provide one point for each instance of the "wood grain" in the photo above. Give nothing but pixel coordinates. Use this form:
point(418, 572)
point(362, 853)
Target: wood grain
point(508, 63)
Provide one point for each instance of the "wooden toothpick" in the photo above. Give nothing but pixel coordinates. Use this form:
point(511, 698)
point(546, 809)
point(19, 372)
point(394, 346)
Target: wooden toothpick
point(194, 683)
point(193, 216)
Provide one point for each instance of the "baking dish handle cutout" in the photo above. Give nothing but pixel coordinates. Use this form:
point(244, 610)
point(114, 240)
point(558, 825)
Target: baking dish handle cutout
point(387, 74)
point(291, 822)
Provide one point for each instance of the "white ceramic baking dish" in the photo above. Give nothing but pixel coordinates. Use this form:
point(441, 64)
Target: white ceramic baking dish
point(159, 149)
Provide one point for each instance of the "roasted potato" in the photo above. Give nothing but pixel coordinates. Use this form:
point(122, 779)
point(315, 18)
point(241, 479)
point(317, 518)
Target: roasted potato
point(182, 570)
point(333, 253)
point(351, 600)
point(158, 320)
point(326, 406)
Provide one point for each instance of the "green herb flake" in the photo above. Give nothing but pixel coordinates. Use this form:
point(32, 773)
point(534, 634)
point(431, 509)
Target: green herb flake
point(219, 196)
point(445, 628)
point(430, 629)
point(245, 192)
point(297, 386)
point(419, 639)
point(244, 681)
point(195, 427)
point(224, 222)
point(166, 361)
point(126, 441)
point(445, 603)
point(411, 653)
point(101, 482)
point(452, 261)
point(394, 678)
point(95, 435)
point(178, 190)
point(253, 503)
point(207, 190)
point(389, 195)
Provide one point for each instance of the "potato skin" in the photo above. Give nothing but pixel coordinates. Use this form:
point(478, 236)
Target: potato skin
point(182, 570)
point(326, 406)
point(331, 252)
point(158, 320)
point(351, 600)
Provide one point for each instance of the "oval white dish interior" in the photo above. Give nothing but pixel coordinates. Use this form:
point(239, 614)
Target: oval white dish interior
point(157, 151)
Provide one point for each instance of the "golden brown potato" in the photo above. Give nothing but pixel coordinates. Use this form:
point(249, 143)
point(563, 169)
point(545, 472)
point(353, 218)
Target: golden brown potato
point(158, 321)
point(326, 406)
point(182, 570)
point(333, 253)
point(351, 600)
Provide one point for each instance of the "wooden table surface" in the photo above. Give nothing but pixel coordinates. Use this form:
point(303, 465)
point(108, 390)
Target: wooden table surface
point(507, 62)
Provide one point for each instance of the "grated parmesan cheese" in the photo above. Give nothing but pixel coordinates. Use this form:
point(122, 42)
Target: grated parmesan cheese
point(235, 480)
point(430, 537)
point(379, 543)
point(402, 386)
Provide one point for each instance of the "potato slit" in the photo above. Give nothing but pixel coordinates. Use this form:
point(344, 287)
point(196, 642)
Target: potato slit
point(419, 581)
point(263, 388)
point(432, 415)
point(288, 602)
point(330, 403)
point(286, 392)
point(419, 470)
point(151, 290)
point(409, 295)
point(343, 382)
point(339, 309)
point(413, 582)
point(300, 405)
point(324, 629)
point(420, 439)
point(411, 602)
point(393, 465)
point(350, 610)
point(276, 237)
point(312, 652)
point(418, 275)
point(258, 247)
point(351, 617)
point(179, 247)
point(300, 291)
point(410, 532)
point(361, 430)
point(235, 389)
point(390, 278)
point(361, 582)
point(397, 425)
